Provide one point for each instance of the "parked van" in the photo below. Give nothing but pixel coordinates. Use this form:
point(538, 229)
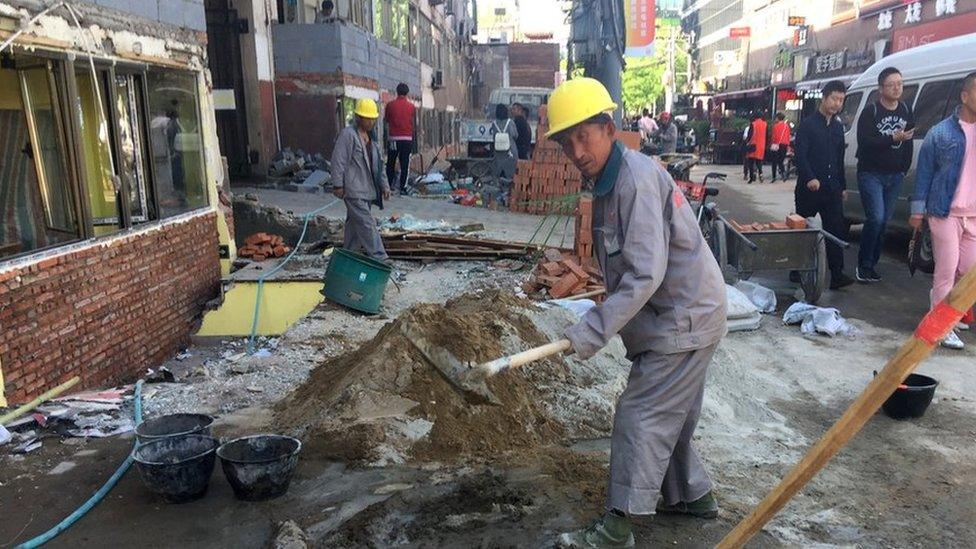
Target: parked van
point(933, 81)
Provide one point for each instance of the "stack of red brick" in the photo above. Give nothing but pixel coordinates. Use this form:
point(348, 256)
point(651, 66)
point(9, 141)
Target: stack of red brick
point(261, 246)
point(540, 183)
point(583, 236)
point(562, 275)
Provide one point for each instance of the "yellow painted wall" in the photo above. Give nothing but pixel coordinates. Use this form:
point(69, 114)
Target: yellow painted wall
point(213, 165)
point(282, 304)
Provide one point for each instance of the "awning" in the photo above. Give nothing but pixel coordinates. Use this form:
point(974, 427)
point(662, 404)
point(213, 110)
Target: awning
point(816, 85)
point(740, 94)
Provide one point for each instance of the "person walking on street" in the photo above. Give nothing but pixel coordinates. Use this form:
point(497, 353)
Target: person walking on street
point(756, 148)
point(667, 131)
point(665, 298)
point(820, 182)
point(358, 179)
point(778, 145)
point(524, 141)
point(945, 196)
point(399, 117)
point(505, 136)
point(885, 142)
point(647, 126)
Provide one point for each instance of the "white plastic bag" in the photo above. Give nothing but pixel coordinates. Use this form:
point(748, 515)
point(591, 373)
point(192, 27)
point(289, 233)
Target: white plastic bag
point(762, 297)
point(813, 319)
point(740, 306)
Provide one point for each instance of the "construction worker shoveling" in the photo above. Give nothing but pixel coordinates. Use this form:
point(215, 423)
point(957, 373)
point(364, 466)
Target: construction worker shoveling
point(665, 298)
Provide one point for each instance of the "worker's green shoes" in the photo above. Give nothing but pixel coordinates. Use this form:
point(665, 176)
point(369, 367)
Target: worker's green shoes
point(704, 507)
point(609, 531)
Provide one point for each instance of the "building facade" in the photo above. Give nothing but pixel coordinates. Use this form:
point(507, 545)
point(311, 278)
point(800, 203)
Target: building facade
point(793, 49)
point(364, 52)
point(112, 238)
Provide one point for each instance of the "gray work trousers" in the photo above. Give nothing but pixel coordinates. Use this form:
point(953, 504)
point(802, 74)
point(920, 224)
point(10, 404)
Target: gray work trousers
point(360, 233)
point(651, 453)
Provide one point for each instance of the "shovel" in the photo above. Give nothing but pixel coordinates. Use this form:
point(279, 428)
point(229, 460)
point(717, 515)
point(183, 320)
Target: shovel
point(471, 381)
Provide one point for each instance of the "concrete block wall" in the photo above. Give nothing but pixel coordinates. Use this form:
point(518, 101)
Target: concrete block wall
point(106, 311)
point(395, 66)
point(188, 14)
point(324, 49)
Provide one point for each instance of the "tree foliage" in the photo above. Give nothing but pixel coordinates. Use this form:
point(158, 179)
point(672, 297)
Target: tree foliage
point(644, 77)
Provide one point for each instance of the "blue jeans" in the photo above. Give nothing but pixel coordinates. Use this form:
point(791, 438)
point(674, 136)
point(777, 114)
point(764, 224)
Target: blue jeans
point(879, 193)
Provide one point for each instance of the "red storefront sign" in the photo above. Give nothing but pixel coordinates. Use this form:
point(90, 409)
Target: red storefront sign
point(926, 33)
point(740, 32)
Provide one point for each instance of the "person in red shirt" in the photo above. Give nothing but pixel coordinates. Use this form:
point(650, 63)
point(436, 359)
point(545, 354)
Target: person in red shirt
point(779, 143)
point(756, 150)
point(399, 117)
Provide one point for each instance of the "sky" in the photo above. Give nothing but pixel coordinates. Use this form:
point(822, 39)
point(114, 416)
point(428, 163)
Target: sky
point(543, 15)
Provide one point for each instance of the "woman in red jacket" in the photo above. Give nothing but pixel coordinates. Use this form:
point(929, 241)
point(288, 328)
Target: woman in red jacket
point(779, 144)
point(756, 150)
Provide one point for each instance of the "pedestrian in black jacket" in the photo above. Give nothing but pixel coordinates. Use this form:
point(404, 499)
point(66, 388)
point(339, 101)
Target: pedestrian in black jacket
point(820, 179)
point(524, 140)
point(885, 133)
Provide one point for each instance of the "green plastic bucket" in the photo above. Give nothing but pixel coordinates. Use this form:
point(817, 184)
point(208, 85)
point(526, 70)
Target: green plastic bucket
point(356, 281)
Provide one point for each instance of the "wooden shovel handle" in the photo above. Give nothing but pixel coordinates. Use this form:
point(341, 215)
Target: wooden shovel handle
point(518, 359)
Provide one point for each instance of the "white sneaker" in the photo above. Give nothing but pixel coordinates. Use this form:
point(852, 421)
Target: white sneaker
point(962, 326)
point(952, 341)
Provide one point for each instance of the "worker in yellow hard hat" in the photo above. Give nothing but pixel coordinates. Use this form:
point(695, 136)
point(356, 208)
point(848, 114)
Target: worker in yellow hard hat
point(666, 298)
point(358, 178)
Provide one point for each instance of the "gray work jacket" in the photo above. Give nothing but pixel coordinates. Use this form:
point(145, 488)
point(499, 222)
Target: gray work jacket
point(665, 291)
point(350, 170)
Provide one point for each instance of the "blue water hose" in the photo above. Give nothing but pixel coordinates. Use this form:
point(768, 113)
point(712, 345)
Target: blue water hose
point(97, 496)
point(257, 299)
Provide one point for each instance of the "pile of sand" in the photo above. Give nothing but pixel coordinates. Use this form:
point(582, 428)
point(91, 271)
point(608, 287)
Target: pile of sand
point(385, 403)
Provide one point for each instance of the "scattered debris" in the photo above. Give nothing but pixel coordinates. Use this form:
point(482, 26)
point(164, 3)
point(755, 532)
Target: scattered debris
point(762, 297)
point(261, 246)
point(5, 435)
point(62, 468)
point(813, 319)
point(410, 223)
point(290, 536)
point(560, 275)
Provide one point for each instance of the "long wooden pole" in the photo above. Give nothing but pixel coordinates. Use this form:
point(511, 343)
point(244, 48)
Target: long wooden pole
point(6, 418)
point(930, 331)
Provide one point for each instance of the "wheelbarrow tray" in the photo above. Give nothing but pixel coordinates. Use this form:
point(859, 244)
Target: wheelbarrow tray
point(791, 250)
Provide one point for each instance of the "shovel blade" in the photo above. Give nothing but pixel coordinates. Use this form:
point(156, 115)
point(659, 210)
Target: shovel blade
point(463, 378)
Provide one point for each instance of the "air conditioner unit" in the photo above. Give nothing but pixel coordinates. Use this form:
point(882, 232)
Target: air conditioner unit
point(438, 82)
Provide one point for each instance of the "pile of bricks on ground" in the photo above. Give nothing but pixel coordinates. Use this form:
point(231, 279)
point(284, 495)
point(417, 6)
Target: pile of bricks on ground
point(261, 246)
point(793, 222)
point(561, 275)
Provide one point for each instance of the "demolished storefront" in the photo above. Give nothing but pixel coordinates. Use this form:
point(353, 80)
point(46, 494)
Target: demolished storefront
point(111, 239)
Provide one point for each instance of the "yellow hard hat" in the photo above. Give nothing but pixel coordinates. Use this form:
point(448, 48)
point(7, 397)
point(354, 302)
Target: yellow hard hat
point(575, 101)
point(366, 108)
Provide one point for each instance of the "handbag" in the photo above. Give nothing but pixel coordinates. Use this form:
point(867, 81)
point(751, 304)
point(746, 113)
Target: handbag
point(920, 256)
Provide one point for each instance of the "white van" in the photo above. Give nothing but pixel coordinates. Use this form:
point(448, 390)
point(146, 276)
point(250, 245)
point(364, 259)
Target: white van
point(933, 80)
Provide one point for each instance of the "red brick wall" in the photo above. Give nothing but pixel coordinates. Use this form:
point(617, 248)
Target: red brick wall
point(533, 64)
point(106, 312)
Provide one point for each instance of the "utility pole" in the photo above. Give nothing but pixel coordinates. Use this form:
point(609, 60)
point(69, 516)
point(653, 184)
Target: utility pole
point(598, 41)
point(669, 90)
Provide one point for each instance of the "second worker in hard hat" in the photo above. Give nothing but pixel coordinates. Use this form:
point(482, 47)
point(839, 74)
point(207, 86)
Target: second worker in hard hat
point(359, 180)
point(666, 298)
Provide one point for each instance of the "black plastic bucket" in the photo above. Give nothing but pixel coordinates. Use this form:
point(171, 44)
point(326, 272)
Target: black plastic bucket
point(912, 398)
point(259, 467)
point(174, 425)
point(177, 468)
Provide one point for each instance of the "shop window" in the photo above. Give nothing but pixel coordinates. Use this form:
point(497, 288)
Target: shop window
point(176, 146)
point(36, 199)
point(849, 111)
point(98, 164)
point(931, 105)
